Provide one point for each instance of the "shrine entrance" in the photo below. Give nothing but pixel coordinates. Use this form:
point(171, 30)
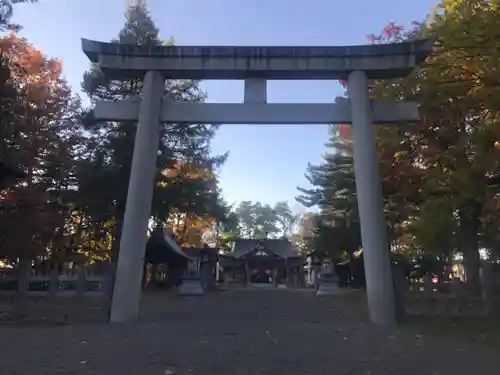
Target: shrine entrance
point(263, 261)
point(255, 65)
point(264, 266)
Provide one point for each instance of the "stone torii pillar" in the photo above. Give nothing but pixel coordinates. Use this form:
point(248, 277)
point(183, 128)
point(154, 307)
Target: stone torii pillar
point(359, 110)
point(255, 65)
point(378, 274)
point(128, 279)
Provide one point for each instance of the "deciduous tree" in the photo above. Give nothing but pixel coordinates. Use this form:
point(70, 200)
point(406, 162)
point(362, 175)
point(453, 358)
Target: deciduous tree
point(37, 137)
point(438, 170)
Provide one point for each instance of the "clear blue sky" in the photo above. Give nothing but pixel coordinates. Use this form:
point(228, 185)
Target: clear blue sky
point(266, 162)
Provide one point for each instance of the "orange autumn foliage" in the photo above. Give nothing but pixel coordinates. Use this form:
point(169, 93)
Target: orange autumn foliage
point(42, 96)
point(189, 229)
point(37, 78)
point(184, 169)
point(195, 227)
point(31, 124)
point(345, 131)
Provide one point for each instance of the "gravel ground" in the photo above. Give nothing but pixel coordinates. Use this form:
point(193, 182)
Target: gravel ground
point(238, 333)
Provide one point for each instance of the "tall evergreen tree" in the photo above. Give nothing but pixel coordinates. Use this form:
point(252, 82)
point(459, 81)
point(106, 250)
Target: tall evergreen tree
point(334, 193)
point(105, 173)
point(139, 27)
point(7, 11)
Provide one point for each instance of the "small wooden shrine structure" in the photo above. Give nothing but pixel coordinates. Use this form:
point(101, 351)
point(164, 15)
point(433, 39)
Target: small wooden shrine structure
point(276, 259)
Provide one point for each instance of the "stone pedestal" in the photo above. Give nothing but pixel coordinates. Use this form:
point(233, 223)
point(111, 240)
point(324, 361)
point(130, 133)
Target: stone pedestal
point(206, 273)
point(328, 285)
point(191, 286)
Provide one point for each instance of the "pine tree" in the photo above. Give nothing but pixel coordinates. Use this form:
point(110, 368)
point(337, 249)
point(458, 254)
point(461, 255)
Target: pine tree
point(7, 11)
point(334, 192)
point(139, 27)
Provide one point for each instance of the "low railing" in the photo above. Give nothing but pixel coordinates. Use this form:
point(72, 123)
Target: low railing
point(62, 285)
point(78, 282)
point(22, 291)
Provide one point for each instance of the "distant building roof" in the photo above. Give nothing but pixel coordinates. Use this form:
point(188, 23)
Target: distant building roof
point(281, 247)
point(162, 248)
point(174, 245)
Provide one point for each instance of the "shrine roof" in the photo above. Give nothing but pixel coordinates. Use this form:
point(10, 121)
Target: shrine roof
point(162, 248)
point(281, 247)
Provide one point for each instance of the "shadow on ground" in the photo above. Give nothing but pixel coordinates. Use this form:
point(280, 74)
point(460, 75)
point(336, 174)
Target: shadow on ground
point(239, 333)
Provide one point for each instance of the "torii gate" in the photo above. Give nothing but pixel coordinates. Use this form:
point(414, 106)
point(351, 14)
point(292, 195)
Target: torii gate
point(256, 65)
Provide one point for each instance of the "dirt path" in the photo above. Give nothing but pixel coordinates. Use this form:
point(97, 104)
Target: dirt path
point(238, 333)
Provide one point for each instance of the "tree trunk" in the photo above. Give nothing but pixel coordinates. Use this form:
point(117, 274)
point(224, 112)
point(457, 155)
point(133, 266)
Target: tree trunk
point(23, 280)
point(153, 277)
point(115, 248)
point(144, 282)
point(469, 243)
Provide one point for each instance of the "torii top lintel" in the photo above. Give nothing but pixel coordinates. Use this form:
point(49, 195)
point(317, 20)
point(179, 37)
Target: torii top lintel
point(121, 61)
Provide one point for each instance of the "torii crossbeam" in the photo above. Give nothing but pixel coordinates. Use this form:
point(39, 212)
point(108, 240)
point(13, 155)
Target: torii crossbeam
point(256, 65)
point(258, 113)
